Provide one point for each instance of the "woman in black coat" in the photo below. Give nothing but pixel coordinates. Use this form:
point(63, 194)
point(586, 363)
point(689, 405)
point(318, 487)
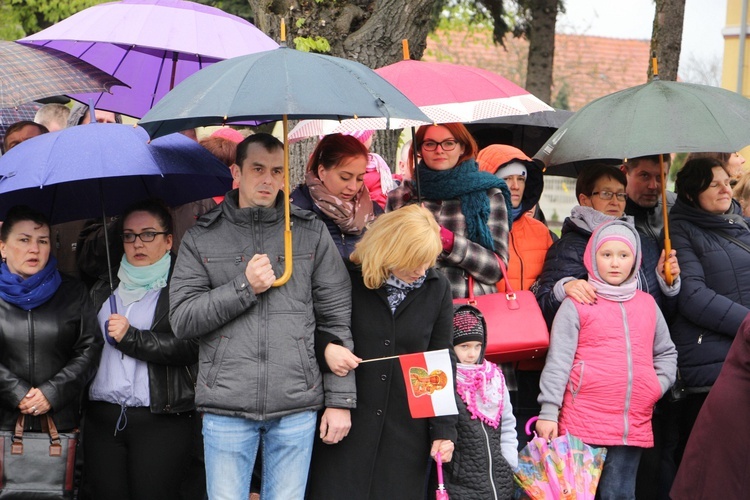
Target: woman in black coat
point(712, 239)
point(49, 340)
point(400, 305)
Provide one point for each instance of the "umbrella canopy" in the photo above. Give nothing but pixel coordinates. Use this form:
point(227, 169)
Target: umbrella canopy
point(150, 44)
point(31, 73)
point(444, 92)
point(274, 84)
point(565, 468)
point(77, 172)
point(9, 116)
point(653, 118)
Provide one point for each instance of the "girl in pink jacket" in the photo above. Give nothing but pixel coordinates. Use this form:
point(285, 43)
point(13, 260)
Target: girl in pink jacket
point(609, 362)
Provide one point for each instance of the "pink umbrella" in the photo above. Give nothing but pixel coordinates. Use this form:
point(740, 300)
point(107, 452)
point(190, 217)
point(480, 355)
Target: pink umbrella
point(444, 92)
point(151, 45)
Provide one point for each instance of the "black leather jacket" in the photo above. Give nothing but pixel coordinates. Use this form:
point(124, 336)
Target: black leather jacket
point(55, 347)
point(172, 363)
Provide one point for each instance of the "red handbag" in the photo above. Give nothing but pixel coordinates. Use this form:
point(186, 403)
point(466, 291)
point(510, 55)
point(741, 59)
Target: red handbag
point(516, 329)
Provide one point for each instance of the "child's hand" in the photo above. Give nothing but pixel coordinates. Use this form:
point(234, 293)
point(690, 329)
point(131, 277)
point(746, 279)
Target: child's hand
point(546, 429)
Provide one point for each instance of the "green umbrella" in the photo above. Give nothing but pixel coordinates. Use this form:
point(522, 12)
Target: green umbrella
point(653, 118)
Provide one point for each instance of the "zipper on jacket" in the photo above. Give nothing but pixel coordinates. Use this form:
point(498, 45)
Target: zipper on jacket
point(513, 244)
point(489, 460)
point(30, 327)
point(629, 389)
point(700, 338)
point(168, 407)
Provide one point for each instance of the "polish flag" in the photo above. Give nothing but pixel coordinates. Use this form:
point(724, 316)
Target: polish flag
point(429, 383)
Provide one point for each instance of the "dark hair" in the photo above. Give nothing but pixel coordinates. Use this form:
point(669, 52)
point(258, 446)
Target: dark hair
point(591, 173)
point(333, 149)
point(153, 206)
point(21, 213)
point(269, 142)
point(459, 132)
point(222, 148)
point(632, 163)
point(722, 157)
point(694, 177)
point(15, 127)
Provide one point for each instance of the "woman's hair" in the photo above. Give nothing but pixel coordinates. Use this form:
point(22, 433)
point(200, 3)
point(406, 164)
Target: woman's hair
point(222, 148)
point(459, 132)
point(590, 174)
point(694, 177)
point(333, 149)
point(403, 239)
point(21, 213)
point(153, 206)
point(741, 190)
point(722, 157)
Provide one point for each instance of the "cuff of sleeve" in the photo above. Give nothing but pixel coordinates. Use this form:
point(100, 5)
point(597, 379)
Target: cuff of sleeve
point(549, 412)
point(244, 290)
point(669, 291)
point(559, 291)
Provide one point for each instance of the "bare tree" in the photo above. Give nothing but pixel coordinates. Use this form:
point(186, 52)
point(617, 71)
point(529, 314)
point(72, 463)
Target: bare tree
point(541, 35)
point(666, 37)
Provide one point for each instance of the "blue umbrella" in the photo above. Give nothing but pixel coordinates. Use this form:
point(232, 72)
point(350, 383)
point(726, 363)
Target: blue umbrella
point(101, 168)
point(78, 172)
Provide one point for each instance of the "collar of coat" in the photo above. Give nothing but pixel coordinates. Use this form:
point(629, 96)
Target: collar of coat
point(229, 209)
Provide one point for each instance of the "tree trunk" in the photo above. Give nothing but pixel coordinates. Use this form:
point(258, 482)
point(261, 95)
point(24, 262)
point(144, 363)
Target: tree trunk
point(541, 37)
point(367, 31)
point(666, 38)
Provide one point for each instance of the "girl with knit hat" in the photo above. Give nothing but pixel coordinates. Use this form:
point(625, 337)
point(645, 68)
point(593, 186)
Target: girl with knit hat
point(485, 452)
point(609, 362)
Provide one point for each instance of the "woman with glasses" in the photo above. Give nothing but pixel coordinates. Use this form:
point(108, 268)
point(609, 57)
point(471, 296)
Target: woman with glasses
point(600, 190)
point(141, 415)
point(335, 190)
point(472, 207)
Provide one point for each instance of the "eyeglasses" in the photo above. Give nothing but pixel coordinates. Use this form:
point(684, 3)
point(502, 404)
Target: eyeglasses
point(607, 195)
point(446, 145)
point(146, 236)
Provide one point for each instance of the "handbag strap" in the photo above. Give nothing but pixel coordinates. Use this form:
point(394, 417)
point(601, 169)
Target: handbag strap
point(509, 292)
point(734, 240)
point(48, 427)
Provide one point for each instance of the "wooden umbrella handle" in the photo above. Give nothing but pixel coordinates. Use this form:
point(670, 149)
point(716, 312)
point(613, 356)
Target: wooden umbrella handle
point(665, 212)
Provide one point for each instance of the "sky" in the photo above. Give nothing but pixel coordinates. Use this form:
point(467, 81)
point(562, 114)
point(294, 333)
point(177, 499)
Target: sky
point(702, 41)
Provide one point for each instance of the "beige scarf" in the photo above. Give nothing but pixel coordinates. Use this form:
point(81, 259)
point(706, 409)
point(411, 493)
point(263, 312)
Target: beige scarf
point(351, 217)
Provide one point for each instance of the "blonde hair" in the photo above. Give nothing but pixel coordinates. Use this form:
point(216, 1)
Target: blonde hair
point(741, 190)
point(404, 239)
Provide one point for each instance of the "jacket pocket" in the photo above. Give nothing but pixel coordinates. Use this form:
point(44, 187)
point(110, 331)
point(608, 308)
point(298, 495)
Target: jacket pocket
point(575, 381)
point(216, 361)
point(304, 359)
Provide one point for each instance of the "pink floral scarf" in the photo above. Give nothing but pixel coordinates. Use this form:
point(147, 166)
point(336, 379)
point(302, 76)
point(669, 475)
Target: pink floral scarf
point(481, 387)
point(352, 217)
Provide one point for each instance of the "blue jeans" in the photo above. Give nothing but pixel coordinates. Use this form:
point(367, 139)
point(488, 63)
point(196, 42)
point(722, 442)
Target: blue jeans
point(618, 476)
point(231, 444)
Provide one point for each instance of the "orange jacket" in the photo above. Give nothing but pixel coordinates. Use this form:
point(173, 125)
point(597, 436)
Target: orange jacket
point(528, 243)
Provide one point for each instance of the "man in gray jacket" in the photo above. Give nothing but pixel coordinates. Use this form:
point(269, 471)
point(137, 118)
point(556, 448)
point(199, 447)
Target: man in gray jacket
point(258, 377)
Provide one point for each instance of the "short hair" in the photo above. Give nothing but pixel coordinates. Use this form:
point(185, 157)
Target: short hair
point(694, 177)
point(155, 207)
point(333, 149)
point(459, 132)
point(269, 142)
point(722, 157)
point(222, 148)
point(632, 163)
point(15, 127)
point(21, 213)
point(590, 174)
point(53, 112)
point(403, 239)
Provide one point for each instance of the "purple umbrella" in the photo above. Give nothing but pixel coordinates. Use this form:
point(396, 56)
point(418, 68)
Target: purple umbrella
point(152, 45)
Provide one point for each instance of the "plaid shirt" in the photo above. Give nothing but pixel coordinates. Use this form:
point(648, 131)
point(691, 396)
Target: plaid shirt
point(466, 257)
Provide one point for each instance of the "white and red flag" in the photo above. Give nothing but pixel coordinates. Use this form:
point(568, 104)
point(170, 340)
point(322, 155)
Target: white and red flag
point(429, 383)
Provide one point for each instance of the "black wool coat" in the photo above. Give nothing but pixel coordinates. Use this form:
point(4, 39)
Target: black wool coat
point(386, 454)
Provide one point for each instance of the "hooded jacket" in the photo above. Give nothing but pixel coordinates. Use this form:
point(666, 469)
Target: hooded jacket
point(715, 294)
point(608, 363)
point(257, 352)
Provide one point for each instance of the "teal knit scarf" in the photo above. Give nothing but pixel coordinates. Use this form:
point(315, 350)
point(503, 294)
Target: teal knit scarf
point(469, 185)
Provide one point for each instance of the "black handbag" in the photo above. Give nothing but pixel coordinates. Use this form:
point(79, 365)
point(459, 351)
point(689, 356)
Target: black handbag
point(38, 465)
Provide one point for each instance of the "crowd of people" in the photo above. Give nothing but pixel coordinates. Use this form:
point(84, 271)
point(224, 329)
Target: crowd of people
point(192, 375)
